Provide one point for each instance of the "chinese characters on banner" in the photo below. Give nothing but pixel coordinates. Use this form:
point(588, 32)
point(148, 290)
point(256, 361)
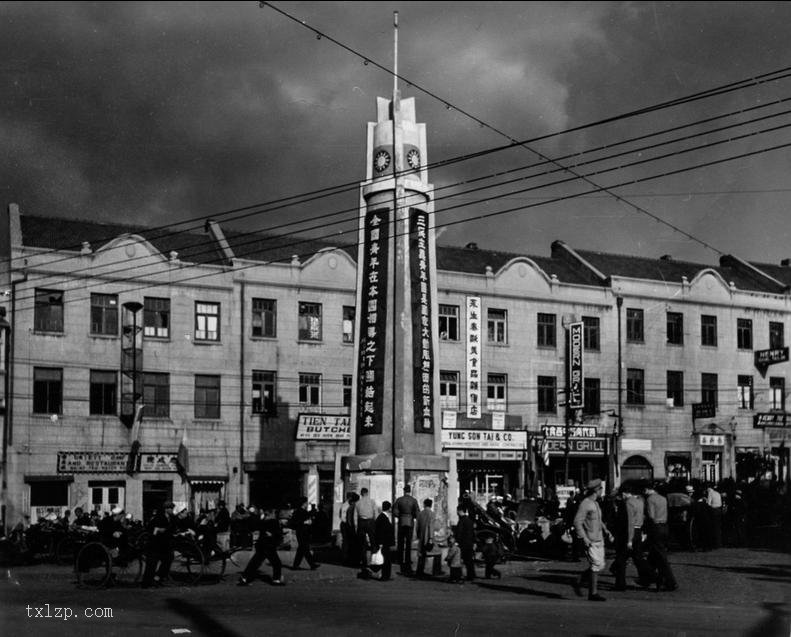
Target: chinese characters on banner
point(576, 395)
point(473, 357)
point(422, 341)
point(373, 321)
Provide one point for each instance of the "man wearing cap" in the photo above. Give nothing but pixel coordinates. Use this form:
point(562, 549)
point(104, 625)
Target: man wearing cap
point(161, 529)
point(112, 533)
point(590, 528)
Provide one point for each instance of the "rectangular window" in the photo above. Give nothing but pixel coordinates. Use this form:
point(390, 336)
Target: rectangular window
point(207, 396)
point(675, 328)
point(49, 493)
point(156, 395)
point(776, 335)
point(47, 390)
point(591, 389)
point(547, 394)
point(546, 325)
point(708, 330)
point(449, 390)
point(265, 318)
point(590, 327)
point(309, 321)
point(156, 317)
point(310, 390)
point(348, 323)
point(744, 334)
point(777, 393)
point(744, 392)
point(104, 392)
point(48, 311)
point(634, 325)
point(104, 314)
point(496, 326)
point(448, 322)
point(207, 321)
point(675, 388)
point(635, 386)
point(496, 392)
point(708, 389)
point(347, 390)
point(264, 392)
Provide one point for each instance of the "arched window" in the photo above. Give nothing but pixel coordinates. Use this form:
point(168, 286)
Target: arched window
point(636, 468)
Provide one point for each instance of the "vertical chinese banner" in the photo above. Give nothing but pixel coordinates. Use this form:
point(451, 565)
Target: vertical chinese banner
point(576, 395)
point(422, 341)
point(473, 357)
point(373, 307)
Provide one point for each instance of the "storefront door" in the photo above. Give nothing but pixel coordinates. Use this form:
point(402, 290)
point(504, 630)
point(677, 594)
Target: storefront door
point(711, 466)
point(105, 496)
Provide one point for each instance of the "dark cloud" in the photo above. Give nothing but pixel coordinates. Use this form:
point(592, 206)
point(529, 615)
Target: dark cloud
point(155, 112)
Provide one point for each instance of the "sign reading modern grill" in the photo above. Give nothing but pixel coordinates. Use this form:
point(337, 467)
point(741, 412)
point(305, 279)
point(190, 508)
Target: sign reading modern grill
point(702, 410)
point(323, 427)
point(576, 395)
point(770, 419)
point(483, 439)
point(577, 446)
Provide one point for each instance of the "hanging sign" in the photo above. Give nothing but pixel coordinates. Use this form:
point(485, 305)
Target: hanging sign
point(473, 357)
point(576, 395)
point(422, 341)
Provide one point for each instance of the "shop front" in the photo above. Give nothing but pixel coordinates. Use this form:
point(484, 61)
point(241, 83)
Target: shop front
point(587, 456)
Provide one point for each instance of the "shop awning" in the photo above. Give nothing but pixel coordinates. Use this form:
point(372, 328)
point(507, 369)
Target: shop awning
point(49, 478)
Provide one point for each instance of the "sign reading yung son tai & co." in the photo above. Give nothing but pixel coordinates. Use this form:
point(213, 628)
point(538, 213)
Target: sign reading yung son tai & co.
point(576, 395)
point(323, 427)
point(483, 438)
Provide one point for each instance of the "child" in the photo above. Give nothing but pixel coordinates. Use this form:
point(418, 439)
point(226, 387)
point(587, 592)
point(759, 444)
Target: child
point(491, 555)
point(453, 558)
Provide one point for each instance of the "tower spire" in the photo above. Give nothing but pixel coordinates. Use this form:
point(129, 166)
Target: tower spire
point(395, 56)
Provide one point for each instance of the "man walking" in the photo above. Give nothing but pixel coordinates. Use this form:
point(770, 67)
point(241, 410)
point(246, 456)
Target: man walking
point(301, 522)
point(405, 512)
point(270, 535)
point(158, 552)
point(657, 537)
point(465, 536)
point(364, 522)
point(629, 537)
point(591, 528)
point(425, 535)
point(385, 539)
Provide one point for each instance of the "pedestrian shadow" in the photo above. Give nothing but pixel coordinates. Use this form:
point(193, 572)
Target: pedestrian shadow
point(765, 572)
point(200, 621)
point(519, 590)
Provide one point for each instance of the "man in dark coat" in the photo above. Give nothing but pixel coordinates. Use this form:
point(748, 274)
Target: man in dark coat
point(158, 552)
point(302, 522)
point(405, 511)
point(465, 536)
point(270, 535)
point(384, 537)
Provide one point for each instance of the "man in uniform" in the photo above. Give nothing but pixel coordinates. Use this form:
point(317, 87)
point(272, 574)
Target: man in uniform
point(405, 511)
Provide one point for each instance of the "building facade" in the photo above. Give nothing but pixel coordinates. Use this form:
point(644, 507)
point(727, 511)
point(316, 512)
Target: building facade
point(247, 363)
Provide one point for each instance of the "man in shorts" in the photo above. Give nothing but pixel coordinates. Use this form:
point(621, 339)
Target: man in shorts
point(591, 529)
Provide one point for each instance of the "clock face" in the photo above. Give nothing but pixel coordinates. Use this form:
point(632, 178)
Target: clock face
point(413, 158)
point(381, 161)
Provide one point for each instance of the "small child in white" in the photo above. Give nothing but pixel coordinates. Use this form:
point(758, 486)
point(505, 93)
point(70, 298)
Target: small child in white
point(453, 558)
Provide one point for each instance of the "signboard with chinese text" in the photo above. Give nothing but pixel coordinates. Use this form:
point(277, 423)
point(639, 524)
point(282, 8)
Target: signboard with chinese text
point(576, 395)
point(422, 340)
point(323, 427)
point(483, 439)
point(473, 357)
point(703, 410)
point(113, 462)
point(711, 440)
point(575, 431)
point(372, 306)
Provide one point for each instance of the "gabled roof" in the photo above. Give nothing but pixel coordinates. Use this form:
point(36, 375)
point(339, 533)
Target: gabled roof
point(278, 249)
point(54, 233)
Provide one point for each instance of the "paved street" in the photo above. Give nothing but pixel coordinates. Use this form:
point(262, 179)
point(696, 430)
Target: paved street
point(725, 592)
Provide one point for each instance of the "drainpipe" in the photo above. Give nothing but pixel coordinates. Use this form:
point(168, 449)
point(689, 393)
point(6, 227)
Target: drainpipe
point(241, 388)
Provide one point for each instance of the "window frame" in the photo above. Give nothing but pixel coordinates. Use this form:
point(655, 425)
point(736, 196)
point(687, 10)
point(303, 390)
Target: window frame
point(347, 385)
point(348, 316)
point(496, 326)
point(675, 328)
point(103, 393)
point(547, 394)
point(546, 330)
point(708, 330)
point(309, 388)
point(206, 406)
point(52, 388)
point(105, 317)
point(48, 316)
point(777, 384)
point(591, 333)
point(675, 386)
point(448, 323)
point(745, 395)
point(497, 383)
point(203, 335)
point(591, 391)
point(744, 334)
point(263, 318)
point(264, 380)
point(635, 322)
point(635, 387)
point(156, 317)
point(304, 333)
point(157, 406)
point(448, 380)
point(776, 334)
point(709, 388)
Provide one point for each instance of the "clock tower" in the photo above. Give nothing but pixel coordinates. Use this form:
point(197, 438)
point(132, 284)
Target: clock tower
point(395, 414)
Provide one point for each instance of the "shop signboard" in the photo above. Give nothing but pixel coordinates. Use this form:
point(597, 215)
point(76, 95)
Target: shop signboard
point(703, 410)
point(712, 440)
point(483, 439)
point(765, 357)
point(474, 357)
point(770, 419)
point(575, 431)
point(577, 446)
point(576, 395)
point(323, 427)
point(113, 462)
